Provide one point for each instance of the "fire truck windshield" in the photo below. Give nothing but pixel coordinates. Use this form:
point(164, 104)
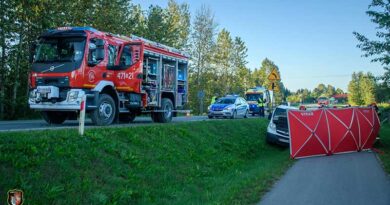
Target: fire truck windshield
point(253, 97)
point(61, 50)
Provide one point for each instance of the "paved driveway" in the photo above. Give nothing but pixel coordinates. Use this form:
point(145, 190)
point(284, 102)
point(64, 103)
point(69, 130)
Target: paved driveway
point(354, 178)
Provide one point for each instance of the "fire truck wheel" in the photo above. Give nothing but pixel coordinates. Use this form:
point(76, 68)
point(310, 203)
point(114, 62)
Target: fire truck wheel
point(54, 117)
point(166, 116)
point(104, 114)
point(154, 116)
point(127, 117)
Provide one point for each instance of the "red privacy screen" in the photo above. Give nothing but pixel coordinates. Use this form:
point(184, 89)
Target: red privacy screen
point(329, 131)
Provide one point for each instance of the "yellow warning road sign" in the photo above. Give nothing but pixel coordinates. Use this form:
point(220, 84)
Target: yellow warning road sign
point(274, 75)
point(274, 87)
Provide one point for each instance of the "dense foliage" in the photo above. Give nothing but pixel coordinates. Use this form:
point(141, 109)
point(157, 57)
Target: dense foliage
point(218, 60)
point(379, 49)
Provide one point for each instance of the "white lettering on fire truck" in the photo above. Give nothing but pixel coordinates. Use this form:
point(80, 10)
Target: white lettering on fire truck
point(124, 75)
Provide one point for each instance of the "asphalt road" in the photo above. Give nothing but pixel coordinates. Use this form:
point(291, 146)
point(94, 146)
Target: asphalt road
point(354, 178)
point(24, 125)
point(20, 125)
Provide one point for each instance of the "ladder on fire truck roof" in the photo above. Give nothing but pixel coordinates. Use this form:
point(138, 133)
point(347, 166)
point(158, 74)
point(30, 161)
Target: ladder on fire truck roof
point(152, 43)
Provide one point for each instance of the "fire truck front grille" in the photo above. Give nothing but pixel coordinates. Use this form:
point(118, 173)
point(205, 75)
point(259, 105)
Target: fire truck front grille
point(54, 81)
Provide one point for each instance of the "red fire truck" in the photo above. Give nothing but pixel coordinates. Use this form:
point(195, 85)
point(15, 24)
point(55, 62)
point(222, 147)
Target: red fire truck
point(121, 76)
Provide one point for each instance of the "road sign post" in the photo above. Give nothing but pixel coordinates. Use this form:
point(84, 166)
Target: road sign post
point(201, 95)
point(274, 78)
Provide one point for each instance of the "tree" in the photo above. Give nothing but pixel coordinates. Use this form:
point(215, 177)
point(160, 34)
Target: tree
point(330, 91)
point(379, 50)
point(222, 60)
point(242, 74)
point(178, 23)
point(339, 91)
point(367, 84)
point(202, 41)
point(136, 21)
point(156, 25)
point(361, 89)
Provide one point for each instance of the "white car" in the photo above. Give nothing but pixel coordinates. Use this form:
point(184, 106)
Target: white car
point(278, 130)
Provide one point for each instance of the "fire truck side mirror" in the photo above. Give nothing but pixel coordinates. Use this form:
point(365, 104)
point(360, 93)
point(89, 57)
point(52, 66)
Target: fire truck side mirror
point(99, 54)
point(99, 49)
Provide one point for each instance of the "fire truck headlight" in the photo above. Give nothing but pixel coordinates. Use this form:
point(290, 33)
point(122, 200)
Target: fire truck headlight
point(72, 96)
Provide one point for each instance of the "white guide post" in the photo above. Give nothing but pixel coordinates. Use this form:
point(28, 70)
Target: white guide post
point(82, 115)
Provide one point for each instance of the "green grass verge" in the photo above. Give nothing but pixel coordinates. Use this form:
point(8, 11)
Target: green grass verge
point(212, 162)
point(384, 146)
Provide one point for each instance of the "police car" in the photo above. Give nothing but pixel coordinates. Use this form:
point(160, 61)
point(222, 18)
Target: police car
point(230, 106)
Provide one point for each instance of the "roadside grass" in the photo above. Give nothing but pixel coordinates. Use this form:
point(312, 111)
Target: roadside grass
point(210, 162)
point(384, 146)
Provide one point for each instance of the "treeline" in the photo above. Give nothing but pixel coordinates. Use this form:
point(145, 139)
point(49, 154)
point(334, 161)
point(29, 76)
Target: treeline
point(305, 95)
point(364, 89)
point(218, 59)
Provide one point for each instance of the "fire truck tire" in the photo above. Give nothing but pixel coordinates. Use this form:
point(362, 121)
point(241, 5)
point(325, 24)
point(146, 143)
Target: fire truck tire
point(166, 116)
point(127, 117)
point(104, 114)
point(54, 117)
point(154, 117)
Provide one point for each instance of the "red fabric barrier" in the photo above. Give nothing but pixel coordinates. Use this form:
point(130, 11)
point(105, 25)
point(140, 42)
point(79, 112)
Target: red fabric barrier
point(308, 133)
point(330, 131)
point(343, 130)
point(369, 126)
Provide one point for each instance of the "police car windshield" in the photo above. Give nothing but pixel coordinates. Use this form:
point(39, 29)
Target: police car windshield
point(226, 101)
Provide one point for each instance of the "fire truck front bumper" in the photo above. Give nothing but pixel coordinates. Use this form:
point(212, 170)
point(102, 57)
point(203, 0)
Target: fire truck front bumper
point(48, 98)
point(253, 108)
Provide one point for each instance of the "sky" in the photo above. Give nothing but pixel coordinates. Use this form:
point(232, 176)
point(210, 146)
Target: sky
point(311, 41)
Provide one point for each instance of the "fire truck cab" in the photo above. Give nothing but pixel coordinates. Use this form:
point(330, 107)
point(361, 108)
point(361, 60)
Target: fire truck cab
point(121, 76)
